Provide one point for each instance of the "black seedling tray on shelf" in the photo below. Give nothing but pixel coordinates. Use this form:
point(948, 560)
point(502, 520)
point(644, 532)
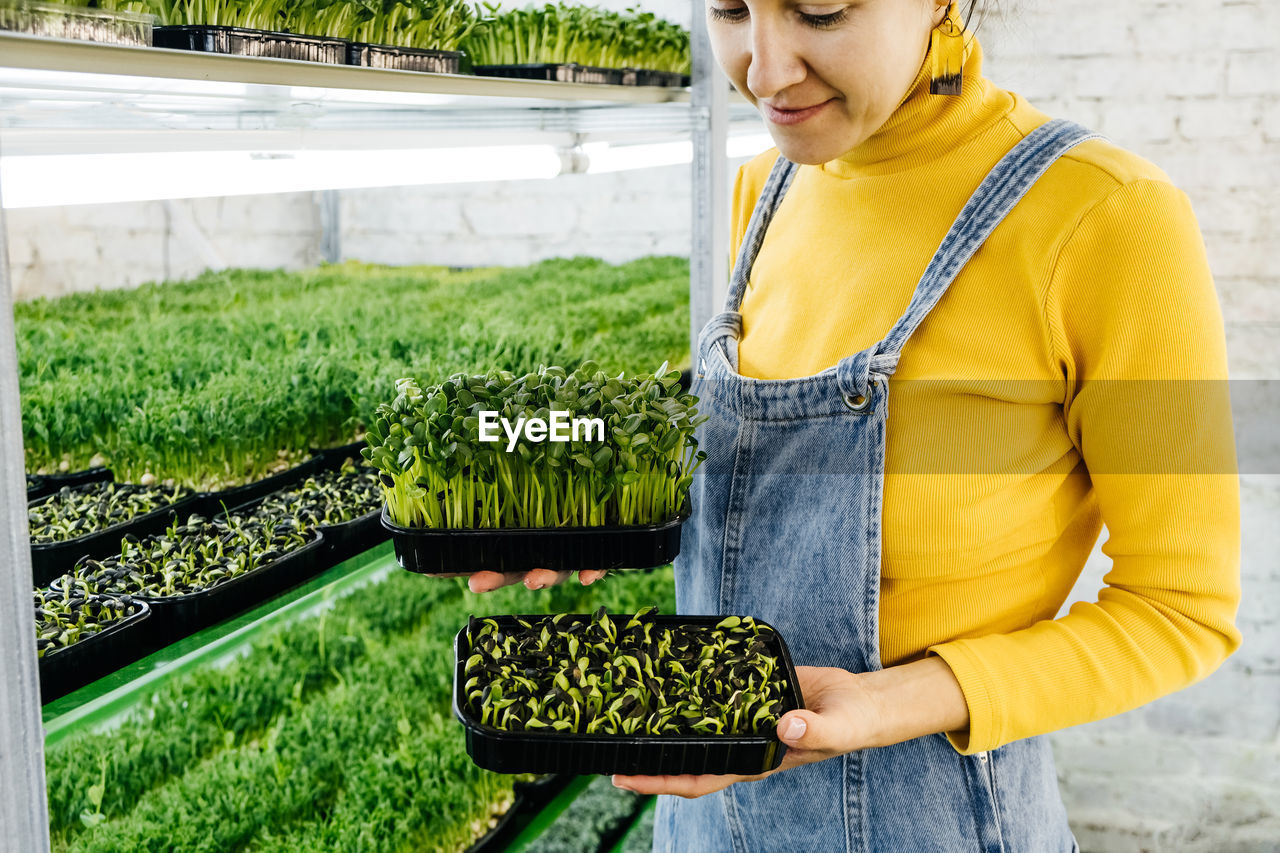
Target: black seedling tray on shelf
point(519, 549)
point(250, 492)
point(49, 560)
point(74, 666)
point(51, 483)
point(530, 798)
point(559, 73)
point(404, 58)
point(35, 487)
point(239, 41)
point(179, 616)
point(359, 534)
point(645, 755)
point(649, 77)
point(333, 457)
point(356, 536)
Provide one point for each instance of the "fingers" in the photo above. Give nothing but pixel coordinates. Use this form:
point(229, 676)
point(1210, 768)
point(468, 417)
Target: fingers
point(534, 579)
point(680, 786)
point(489, 581)
point(543, 578)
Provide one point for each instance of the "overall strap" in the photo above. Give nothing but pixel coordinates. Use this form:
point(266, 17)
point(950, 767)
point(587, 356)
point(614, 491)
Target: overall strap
point(1002, 188)
point(780, 177)
point(728, 323)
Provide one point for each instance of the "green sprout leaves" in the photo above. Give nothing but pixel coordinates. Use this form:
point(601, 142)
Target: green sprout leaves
point(74, 512)
point(593, 675)
point(587, 35)
point(437, 472)
point(65, 617)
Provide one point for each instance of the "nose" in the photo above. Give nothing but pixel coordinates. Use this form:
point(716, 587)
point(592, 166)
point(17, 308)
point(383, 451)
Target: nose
point(775, 62)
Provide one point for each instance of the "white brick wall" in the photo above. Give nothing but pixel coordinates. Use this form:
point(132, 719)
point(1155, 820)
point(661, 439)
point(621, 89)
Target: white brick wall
point(1190, 85)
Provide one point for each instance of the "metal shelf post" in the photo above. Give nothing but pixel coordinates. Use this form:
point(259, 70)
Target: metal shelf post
point(24, 817)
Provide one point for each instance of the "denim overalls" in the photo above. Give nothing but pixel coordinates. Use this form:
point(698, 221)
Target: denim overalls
point(786, 527)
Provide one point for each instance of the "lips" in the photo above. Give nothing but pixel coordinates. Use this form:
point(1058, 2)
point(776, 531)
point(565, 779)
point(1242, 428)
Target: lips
point(778, 115)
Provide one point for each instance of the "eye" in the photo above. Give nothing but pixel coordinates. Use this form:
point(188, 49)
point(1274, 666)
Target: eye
point(826, 21)
point(730, 15)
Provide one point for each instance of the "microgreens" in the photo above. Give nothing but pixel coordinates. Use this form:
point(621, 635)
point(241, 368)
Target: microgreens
point(208, 382)
point(82, 510)
point(437, 473)
point(65, 617)
point(624, 676)
point(587, 35)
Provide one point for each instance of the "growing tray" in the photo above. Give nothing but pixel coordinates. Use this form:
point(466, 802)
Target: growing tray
point(73, 667)
point(71, 21)
point(647, 755)
point(50, 483)
point(559, 73)
point(530, 798)
point(649, 77)
point(52, 559)
point(250, 492)
point(359, 534)
point(404, 58)
point(519, 549)
point(240, 41)
point(178, 616)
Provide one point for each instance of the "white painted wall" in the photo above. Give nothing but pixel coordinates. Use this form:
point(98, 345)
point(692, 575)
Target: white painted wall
point(1190, 85)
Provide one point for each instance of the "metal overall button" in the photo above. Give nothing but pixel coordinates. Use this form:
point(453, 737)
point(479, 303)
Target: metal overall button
point(857, 402)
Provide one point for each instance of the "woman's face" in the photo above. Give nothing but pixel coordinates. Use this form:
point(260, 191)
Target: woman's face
point(825, 75)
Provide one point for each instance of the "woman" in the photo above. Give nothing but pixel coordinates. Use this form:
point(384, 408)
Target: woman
point(1055, 365)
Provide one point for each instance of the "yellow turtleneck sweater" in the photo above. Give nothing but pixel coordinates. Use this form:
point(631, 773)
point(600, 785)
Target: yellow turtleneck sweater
point(1060, 383)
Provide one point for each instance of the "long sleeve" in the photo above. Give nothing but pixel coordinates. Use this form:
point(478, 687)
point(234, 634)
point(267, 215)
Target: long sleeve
point(1136, 330)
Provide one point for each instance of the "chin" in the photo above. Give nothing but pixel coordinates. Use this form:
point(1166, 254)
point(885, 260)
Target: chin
point(805, 153)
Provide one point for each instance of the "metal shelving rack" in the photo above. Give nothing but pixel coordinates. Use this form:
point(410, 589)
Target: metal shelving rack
point(169, 100)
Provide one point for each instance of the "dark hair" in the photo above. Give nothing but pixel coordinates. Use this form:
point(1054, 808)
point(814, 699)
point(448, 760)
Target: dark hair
point(975, 6)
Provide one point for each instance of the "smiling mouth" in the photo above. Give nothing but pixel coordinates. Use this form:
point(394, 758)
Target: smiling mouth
point(793, 116)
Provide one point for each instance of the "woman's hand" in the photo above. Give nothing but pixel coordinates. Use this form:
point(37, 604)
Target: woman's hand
point(535, 579)
point(841, 715)
point(845, 711)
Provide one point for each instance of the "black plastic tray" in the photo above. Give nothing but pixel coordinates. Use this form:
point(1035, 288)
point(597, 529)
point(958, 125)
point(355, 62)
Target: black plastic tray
point(51, 559)
point(179, 616)
point(239, 41)
point(530, 798)
point(646, 755)
point(519, 549)
point(559, 73)
point(404, 58)
point(359, 534)
point(73, 667)
point(649, 77)
point(50, 483)
point(250, 492)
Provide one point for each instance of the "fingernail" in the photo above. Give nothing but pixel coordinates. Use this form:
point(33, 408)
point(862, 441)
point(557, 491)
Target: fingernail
point(793, 729)
point(619, 784)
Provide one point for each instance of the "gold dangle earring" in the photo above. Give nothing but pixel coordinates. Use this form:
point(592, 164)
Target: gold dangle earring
point(946, 46)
